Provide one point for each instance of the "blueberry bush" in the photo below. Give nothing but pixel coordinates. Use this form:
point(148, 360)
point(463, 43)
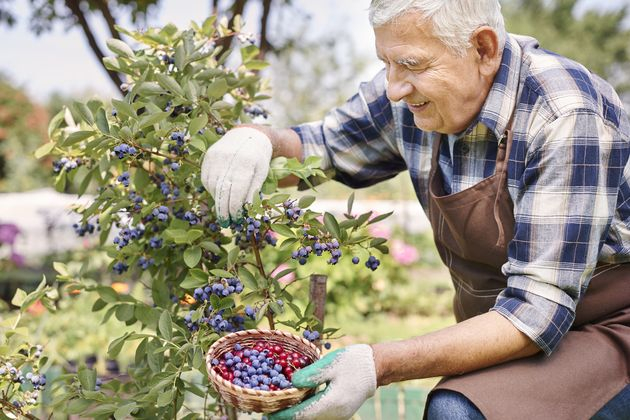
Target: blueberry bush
point(139, 156)
point(22, 363)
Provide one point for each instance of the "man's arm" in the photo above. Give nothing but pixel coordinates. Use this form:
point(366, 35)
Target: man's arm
point(482, 341)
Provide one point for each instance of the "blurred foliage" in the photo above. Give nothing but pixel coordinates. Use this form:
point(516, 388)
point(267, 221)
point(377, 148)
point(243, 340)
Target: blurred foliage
point(599, 39)
point(22, 130)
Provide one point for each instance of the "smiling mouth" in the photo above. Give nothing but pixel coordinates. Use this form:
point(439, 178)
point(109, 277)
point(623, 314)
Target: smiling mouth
point(417, 106)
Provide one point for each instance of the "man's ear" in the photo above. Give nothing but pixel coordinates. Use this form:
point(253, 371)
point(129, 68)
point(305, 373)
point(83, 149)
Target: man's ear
point(485, 41)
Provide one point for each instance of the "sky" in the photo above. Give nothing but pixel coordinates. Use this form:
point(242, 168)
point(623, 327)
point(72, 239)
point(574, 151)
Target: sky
point(61, 61)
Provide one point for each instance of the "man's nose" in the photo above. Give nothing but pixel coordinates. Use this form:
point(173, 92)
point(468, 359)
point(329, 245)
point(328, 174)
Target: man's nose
point(398, 87)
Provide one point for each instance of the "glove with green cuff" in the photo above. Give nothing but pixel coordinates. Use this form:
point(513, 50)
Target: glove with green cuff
point(350, 376)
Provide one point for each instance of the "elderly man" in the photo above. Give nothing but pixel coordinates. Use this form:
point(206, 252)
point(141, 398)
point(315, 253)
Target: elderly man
point(520, 159)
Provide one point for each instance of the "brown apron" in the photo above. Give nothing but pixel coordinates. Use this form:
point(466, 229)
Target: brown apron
point(472, 229)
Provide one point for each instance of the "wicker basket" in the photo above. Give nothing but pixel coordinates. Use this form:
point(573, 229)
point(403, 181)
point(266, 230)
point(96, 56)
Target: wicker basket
point(245, 399)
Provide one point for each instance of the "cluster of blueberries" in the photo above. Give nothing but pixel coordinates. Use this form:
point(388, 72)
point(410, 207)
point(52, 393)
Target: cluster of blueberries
point(122, 150)
point(174, 166)
point(232, 285)
point(191, 218)
point(155, 242)
point(160, 213)
point(165, 187)
point(251, 227)
point(66, 163)
point(136, 199)
point(372, 263)
point(291, 210)
point(255, 111)
point(216, 321)
point(127, 234)
point(120, 267)
point(263, 367)
point(144, 262)
point(222, 289)
point(124, 178)
point(318, 249)
point(82, 229)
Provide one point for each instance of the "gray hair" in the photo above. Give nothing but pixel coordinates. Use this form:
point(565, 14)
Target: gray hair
point(453, 21)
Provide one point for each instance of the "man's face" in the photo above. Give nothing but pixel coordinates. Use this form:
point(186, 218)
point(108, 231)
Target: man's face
point(443, 91)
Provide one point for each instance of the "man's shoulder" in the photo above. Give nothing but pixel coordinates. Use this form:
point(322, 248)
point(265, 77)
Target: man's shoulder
point(563, 85)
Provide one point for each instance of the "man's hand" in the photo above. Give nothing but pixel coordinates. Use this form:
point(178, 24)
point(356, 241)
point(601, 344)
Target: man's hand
point(234, 169)
point(350, 376)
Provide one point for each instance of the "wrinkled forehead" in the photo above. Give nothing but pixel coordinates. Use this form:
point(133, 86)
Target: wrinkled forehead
point(410, 29)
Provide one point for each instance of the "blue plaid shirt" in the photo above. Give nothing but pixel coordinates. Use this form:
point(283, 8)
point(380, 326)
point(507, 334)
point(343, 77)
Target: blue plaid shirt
point(568, 173)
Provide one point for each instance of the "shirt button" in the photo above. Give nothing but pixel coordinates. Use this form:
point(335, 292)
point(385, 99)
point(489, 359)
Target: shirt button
point(464, 149)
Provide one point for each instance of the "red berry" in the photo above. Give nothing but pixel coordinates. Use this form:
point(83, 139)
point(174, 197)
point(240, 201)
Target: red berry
point(283, 363)
point(273, 387)
point(282, 356)
point(296, 355)
point(277, 349)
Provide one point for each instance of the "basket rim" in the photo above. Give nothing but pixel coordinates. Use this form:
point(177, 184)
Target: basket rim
point(253, 392)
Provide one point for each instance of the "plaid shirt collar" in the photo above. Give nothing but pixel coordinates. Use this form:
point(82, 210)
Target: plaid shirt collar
point(501, 101)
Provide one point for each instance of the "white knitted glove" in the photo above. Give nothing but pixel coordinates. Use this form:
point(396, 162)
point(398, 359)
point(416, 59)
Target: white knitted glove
point(234, 169)
point(350, 376)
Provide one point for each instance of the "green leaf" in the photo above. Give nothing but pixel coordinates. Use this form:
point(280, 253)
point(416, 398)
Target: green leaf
point(101, 121)
point(124, 312)
point(77, 405)
point(193, 235)
point(19, 297)
point(197, 124)
point(165, 325)
point(116, 345)
point(217, 89)
point(84, 112)
point(256, 65)
point(141, 179)
point(160, 293)
point(76, 137)
point(331, 225)
point(108, 294)
point(283, 230)
point(192, 256)
point(87, 378)
point(169, 83)
point(377, 241)
point(211, 246)
point(249, 52)
point(247, 278)
point(380, 217)
point(55, 122)
point(306, 201)
point(221, 273)
point(119, 47)
point(191, 282)
point(98, 305)
point(350, 203)
point(232, 256)
point(149, 120)
point(123, 108)
point(150, 89)
point(44, 150)
point(165, 398)
point(124, 411)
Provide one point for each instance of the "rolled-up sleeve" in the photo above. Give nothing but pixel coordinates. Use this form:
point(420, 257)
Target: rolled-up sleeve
point(567, 199)
point(357, 140)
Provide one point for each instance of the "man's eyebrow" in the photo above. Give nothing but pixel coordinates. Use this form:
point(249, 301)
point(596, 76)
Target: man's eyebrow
point(408, 61)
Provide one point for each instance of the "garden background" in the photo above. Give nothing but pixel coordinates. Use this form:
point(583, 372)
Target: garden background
point(318, 53)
